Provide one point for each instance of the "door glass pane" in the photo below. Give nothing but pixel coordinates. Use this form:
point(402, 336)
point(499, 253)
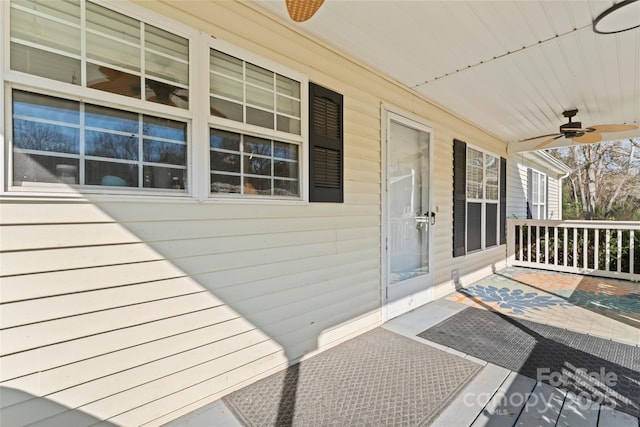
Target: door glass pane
point(408, 173)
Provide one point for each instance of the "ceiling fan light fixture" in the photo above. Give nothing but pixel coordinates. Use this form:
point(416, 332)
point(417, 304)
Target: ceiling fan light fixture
point(302, 10)
point(620, 17)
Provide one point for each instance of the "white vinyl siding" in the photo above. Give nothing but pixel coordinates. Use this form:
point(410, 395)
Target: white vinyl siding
point(518, 187)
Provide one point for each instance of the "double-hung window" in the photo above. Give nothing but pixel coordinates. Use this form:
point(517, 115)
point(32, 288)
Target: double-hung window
point(99, 100)
point(479, 205)
point(482, 199)
point(256, 125)
point(537, 194)
point(112, 100)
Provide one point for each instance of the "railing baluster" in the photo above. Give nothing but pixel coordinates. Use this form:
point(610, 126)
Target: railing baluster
point(521, 245)
point(575, 246)
point(619, 257)
point(537, 244)
point(631, 248)
point(529, 243)
point(564, 242)
point(596, 249)
point(546, 245)
point(585, 249)
point(607, 251)
point(555, 245)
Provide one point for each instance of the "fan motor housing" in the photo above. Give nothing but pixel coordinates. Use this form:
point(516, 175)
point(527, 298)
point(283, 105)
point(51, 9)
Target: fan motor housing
point(569, 126)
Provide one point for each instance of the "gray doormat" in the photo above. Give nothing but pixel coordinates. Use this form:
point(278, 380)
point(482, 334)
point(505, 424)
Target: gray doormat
point(378, 378)
point(556, 356)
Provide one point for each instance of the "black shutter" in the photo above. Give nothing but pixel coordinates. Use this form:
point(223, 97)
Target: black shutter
point(503, 200)
point(529, 193)
point(326, 158)
point(459, 196)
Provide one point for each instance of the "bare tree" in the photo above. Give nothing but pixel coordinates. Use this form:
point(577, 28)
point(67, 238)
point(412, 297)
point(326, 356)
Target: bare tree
point(604, 175)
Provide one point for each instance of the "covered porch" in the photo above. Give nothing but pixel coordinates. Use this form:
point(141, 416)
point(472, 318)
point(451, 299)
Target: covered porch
point(554, 348)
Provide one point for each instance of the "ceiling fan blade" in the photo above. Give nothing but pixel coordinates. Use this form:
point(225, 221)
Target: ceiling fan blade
point(301, 10)
point(538, 137)
point(588, 138)
point(613, 128)
point(547, 142)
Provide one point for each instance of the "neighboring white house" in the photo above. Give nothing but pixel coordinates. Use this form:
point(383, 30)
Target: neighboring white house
point(535, 186)
point(197, 194)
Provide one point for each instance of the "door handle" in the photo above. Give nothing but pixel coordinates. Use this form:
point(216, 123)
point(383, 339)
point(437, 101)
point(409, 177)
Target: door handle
point(431, 216)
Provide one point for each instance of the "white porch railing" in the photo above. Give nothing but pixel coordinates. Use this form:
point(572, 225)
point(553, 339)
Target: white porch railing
point(599, 248)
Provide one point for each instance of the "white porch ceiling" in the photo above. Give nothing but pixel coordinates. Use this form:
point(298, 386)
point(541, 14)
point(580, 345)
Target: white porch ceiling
point(510, 67)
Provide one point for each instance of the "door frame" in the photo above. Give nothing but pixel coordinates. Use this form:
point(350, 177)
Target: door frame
point(388, 113)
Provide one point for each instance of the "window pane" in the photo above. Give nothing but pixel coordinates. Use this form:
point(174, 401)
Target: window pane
point(32, 135)
point(166, 43)
point(164, 152)
point(283, 150)
point(115, 146)
point(225, 140)
point(226, 64)
point(260, 77)
point(226, 87)
point(45, 64)
point(112, 119)
point(49, 124)
point(112, 80)
point(260, 97)
point(493, 165)
point(474, 226)
point(225, 183)
point(255, 145)
point(113, 38)
point(164, 128)
point(112, 52)
point(226, 109)
point(268, 167)
point(225, 162)
point(259, 186)
point(167, 69)
point(286, 124)
point(491, 224)
point(36, 168)
point(287, 86)
point(255, 165)
point(286, 188)
point(161, 177)
point(111, 174)
point(285, 169)
point(45, 32)
point(259, 118)
point(288, 106)
point(105, 21)
point(45, 107)
point(474, 174)
point(68, 10)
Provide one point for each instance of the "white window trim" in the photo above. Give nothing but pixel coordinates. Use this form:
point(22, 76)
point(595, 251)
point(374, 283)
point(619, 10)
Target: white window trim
point(197, 117)
point(483, 202)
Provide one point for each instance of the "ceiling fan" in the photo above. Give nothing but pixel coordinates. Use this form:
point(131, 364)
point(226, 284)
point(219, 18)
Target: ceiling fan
point(302, 10)
point(574, 131)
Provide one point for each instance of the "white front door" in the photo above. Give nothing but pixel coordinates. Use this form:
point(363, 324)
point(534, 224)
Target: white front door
point(409, 217)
